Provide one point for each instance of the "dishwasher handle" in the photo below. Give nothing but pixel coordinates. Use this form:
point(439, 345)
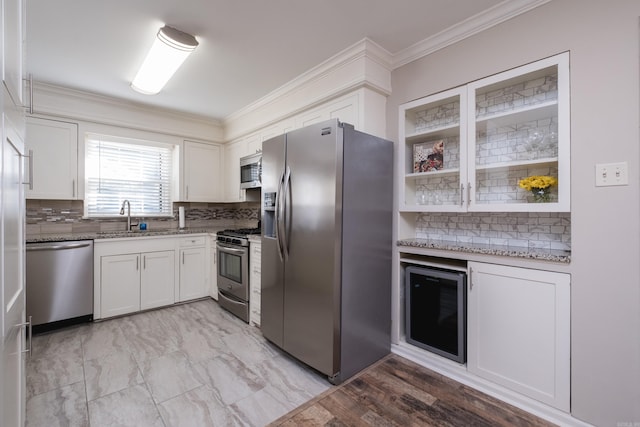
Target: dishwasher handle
point(58, 246)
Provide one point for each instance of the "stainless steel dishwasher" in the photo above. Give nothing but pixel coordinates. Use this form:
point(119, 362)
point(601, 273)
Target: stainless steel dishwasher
point(59, 283)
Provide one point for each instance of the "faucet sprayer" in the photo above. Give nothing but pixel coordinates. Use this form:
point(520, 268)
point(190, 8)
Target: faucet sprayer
point(126, 202)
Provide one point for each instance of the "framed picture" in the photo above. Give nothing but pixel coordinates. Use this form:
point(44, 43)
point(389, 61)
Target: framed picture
point(428, 156)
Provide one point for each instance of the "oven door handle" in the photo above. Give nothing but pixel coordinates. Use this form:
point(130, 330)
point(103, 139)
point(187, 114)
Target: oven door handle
point(232, 250)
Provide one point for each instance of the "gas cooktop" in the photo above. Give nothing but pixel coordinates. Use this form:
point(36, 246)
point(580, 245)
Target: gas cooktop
point(240, 232)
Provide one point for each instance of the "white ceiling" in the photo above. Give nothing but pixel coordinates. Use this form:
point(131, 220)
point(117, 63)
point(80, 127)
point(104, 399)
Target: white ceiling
point(248, 48)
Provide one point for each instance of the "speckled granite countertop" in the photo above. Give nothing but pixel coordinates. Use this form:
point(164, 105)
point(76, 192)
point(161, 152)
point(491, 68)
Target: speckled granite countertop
point(508, 251)
point(100, 235)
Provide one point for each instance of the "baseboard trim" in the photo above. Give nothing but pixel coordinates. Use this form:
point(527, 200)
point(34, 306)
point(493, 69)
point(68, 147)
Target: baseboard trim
point(458, 372)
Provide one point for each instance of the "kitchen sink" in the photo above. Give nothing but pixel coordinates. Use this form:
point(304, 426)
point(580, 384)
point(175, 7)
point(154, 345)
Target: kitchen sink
point(124, 233)
point(129, 233)
point(103, 233)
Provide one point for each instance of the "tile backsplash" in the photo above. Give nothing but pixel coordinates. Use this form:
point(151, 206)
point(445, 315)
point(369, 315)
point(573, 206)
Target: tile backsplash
point(526, 229)
point(66, 216)
point(518, 229)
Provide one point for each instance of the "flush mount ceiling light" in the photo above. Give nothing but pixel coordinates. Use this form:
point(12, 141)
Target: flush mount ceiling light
point(170, 48)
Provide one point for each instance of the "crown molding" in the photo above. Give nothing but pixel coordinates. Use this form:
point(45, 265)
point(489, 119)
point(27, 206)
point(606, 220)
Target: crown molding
point(467, 28)
point(75, 104)
point(363, 49)
point(367, 51)
point(365, 64)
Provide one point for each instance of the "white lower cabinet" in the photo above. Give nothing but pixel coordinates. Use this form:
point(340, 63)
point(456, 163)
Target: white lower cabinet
point(193, 265)
point(519, 330)
point(255, 260)
point(119, 284)
point(157, 279)
point(213, 264)
point(136, 274)
point(134, 282)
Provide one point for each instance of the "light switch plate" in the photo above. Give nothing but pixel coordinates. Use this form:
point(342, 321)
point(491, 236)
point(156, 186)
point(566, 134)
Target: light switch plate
point(608, 174)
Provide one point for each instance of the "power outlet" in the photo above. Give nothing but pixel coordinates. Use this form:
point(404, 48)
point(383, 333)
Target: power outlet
point(608, 174)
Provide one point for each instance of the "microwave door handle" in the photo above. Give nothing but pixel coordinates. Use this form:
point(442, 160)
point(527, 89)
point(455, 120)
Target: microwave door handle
point(286, 197)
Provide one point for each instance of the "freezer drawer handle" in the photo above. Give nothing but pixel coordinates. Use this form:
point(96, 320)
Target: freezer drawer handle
point(57, 247)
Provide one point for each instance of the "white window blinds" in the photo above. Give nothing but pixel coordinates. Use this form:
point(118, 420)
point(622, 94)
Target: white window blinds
point(117, 170)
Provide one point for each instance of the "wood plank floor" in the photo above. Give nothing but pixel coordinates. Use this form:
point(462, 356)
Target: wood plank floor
point(398, 392)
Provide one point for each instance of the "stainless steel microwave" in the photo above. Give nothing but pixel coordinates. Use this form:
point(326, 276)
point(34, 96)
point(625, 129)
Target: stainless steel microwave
point(251, 171)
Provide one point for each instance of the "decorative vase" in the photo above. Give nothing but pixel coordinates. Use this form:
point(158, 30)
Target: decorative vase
point(541, 195)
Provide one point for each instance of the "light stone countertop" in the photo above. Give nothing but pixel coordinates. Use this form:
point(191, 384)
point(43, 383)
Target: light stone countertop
point(100, 235)
point(255, 238)
point(559, 256)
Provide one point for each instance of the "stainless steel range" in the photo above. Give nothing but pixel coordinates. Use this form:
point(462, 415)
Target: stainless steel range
point(233, 270)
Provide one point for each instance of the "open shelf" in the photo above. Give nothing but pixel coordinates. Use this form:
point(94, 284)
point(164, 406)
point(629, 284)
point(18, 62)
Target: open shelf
point(523, 114)
point(550, 161)
point(441, 172)
point(433, 133)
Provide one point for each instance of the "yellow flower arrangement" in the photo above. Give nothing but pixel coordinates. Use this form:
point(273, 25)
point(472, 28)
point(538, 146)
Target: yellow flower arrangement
point(539, 185)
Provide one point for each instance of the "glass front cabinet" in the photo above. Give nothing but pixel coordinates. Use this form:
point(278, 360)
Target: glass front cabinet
point(496, 144)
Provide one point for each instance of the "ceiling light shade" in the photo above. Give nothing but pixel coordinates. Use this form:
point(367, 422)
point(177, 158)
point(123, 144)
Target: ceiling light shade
point(170, 48)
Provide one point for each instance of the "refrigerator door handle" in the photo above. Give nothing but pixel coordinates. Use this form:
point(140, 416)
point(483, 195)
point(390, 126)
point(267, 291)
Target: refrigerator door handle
point(285, 208)
point(278, 217)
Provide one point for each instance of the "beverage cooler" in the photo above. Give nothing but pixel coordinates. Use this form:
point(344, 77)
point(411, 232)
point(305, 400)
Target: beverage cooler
point(435, 311)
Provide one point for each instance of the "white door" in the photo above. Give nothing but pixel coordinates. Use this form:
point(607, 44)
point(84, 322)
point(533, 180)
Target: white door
point(518, 330)
point(213, 265)
point(55, 159)
point(232, 153)
point(13, 281)
point(193, 282)
point(202, 172)
point(157, 281)
point(120, 284)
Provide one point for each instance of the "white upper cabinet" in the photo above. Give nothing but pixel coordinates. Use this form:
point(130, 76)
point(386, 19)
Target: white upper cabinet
point(201, 168)
point(13, 40)
point(232, 153)
point(55, 159)
point(346, 110)
point(468, 149)
point(253, 145)
point(433, 156)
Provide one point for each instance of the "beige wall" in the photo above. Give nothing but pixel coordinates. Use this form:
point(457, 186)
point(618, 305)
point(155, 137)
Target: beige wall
point(603, 40)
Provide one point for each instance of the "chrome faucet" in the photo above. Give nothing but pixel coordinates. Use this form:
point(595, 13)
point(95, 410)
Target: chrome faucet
point(129, 225)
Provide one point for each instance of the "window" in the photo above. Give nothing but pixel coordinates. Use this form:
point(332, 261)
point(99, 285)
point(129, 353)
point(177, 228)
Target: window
point(118, 170)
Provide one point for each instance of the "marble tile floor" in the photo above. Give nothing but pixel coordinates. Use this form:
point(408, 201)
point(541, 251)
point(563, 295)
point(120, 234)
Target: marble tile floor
point(186, 365)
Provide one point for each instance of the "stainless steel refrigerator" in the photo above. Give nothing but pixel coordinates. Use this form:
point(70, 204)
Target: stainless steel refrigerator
point(326, 246)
